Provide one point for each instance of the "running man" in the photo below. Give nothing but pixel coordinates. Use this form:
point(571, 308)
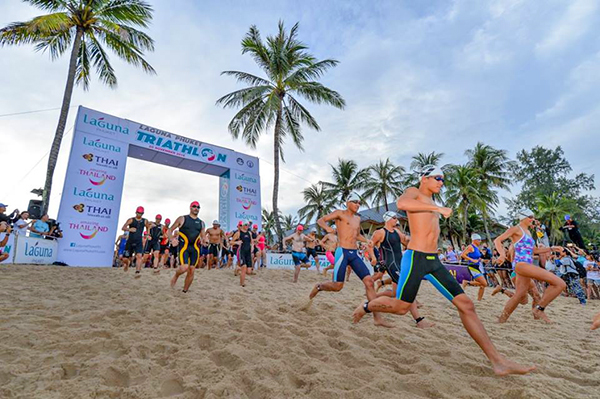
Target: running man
point(421, 261)
point(153, 243)
point(135, 243)
point(298, 256)
point(330, 244)
point(191, 233)
point(243, 239)
point(311, 243)
point(472, 255)
point(120, 244)
point(390, 240)
point(164, 243)
point(215, 244)
point(348, 230)
point(524, 249)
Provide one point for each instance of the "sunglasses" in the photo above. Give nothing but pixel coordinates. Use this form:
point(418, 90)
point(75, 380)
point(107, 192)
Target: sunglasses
point(195, 206)
point(140, 213)
point(439, 178)
point(355, 202)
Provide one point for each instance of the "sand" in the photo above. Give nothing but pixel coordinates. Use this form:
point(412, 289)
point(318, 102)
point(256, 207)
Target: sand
point(100, 333)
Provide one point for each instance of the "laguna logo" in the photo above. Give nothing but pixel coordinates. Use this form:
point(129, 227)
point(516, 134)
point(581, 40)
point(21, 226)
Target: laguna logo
point(243, 177)
point(105, 125)
point(101, 145)
point(89, 193)
point(37, 251)
point(240, 161)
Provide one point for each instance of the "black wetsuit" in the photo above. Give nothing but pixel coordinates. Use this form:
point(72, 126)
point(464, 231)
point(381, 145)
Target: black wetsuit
point(154, 244)
point(189, 252)
point(245, 250)
point(391, 251)
point(135, 244)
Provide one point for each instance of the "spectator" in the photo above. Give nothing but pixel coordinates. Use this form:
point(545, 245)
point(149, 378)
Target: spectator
point(570, 274)
point(441, 255)
point(8, 219)
point(4, 228)
point(572, 229)
point(593, 277)
point(55, 231)
point(40, 228)
point(22, 225)
point(451, 256)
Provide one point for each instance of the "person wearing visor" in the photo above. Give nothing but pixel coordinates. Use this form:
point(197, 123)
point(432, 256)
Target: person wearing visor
point(215, 244)
point(420, 261)
point(390, 240)
point(524, 249)
point(135, 241)
point(348, 231)
point(191, 234)
point(472, 255)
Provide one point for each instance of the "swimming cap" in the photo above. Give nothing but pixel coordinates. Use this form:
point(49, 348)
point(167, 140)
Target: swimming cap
point(195, 203)
point(240, 223)
point(300, 227)
point(140, 209)
point(431, 170)
point(167, 221)
point(390, 215)
point(353, 196)
point(525, 213)
point(255, 226)
point(159, 216)
point(216, 222)
point(475, 237)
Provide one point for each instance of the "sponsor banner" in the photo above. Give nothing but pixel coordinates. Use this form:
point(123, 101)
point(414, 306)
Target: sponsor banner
point(224, 188)
point(244, 198)
point(9, 247)
point(91, 198)
point(459, 272)
point(145, 136)
point(284, 261)
point(35, 250)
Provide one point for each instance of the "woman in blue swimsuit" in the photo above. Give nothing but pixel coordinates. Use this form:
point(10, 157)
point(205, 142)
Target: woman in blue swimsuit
point(524, 249)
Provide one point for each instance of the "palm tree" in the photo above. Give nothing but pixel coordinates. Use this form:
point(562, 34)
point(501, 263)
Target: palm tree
point(318, 204)
point(491, 168)
point(272, 101)
point(551, 209)
point(347, 177)
point(268, 224)
point(418, 162)
point(462, 192)
point(451, 228)
point(84, 26)
point(386, 180)
point(289, 222)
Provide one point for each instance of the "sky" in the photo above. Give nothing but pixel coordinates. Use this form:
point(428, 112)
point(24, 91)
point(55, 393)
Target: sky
point(416, 77)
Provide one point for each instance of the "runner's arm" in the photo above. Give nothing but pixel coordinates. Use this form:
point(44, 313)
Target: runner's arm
point(176, 224)
point(323, 222)
point(126, 225)
point(465, 254)
point(500, 239)
point(408, 202)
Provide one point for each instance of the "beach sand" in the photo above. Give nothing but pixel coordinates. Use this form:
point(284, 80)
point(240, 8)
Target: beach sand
point(100, 333)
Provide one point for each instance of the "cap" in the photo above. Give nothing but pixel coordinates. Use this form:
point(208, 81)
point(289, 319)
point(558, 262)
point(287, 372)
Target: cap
point(255, 226)
point(353, 196)
point(431, 170)
point(300, 227)
point(195, 203)
point(567, 217)
point(216, 222)
point(390, 215)
point(167, 220)
point(159, 216)
point(525, 213)
point(139, 209)
point(2, 205)
point(475, 237)
point(240, 223)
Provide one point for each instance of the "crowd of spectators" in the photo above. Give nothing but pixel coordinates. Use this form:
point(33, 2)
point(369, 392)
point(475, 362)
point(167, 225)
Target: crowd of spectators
point(20, 224)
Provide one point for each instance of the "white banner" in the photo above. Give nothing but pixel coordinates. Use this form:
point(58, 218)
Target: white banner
point(244, 198)
point(224, 218)
point(9, 248)
point(91, 199)
point(35, 250)
point(284, 261)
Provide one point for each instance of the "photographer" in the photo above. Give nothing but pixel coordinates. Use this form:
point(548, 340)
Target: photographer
point(22, 225)
point(8, 219)
point(4, 228)
point(55, 230)
point(570, 274)
point(572, 228)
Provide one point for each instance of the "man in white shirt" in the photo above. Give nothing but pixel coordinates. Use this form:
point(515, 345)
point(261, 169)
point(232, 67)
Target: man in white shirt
point(21, 225)
point(593, 276)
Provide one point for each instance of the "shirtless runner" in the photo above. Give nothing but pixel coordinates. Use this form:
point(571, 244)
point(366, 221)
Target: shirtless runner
point(348, 229)
point(421, 261)
point(298, 244)
point(215, 244)
point(329, 244)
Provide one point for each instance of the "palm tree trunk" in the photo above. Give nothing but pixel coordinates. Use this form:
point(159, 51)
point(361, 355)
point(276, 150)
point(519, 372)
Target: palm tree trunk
point(487, 231)
point(465, 225)
point(276, 157)
point(62, 121)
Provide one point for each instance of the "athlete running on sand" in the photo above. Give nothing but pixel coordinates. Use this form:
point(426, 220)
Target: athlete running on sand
point(135, 243)
point(298, 244)
point(421, 261)
point(472, 255)
point(390, 239)
point(215, 244)
point(191, 233)
point(524, 247)
point(348, 230)
point(330, 244)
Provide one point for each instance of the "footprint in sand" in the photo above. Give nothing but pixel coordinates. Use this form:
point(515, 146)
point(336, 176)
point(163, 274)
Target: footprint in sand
point(171, 387)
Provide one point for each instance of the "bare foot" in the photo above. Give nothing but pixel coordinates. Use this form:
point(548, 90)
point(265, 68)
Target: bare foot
point(524, 300)
point(173, 281)
point(156, 271)
point(506, 367)
point(540, 315)
point(496, 290)
point(419, 304)
point(503, 317)
point(358, 313)
point(138, 274)
point(314, 291)
point(425, 324)
point(380, 322)
point(465, 283)
point(306, 306)
point(596, 322)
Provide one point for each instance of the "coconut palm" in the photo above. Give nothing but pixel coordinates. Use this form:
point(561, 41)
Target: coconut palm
point(272, 102)
point(551, 209)
point(491, 168)
point(318, 204)
point(451, 228)
point(289, 222)
point(386, 181)
point(268, 224)
point(87, 28)
point(347, 177)
point(462, 192)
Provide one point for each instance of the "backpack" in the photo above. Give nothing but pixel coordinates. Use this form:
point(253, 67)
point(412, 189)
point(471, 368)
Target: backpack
point(580, 269)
